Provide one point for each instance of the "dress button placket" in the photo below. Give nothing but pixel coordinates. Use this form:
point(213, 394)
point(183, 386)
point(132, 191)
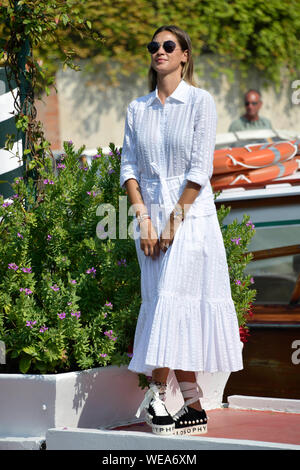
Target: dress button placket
point(162, 138)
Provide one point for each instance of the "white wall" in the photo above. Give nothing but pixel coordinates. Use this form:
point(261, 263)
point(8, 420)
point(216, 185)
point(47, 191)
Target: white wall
point(94, 114)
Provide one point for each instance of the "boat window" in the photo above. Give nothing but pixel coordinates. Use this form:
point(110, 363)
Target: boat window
point(274, 236)
point(274, 277)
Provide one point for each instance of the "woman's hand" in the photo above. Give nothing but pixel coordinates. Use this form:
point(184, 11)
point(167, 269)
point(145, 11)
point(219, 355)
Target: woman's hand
point(149, 239)
point(187, 198)
point(168, 233)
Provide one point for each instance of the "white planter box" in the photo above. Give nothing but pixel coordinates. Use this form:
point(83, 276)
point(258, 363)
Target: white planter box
point(31, 404)
point(98, 398)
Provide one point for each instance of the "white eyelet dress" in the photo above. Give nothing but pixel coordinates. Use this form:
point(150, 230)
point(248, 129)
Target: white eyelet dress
point(187, 318)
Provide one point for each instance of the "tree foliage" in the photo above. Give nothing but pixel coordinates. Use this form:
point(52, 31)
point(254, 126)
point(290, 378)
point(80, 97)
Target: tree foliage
point(28, 26)
point(244, 33)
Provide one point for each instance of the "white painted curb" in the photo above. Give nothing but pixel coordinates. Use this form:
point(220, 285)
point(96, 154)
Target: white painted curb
point(285, 405)
point(87, 439)
point(21, 443)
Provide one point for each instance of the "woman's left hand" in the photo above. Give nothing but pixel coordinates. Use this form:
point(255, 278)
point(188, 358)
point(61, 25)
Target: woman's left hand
point(168, 233)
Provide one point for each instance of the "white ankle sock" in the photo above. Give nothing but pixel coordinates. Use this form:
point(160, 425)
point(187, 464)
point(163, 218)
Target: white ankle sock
point(190, 390)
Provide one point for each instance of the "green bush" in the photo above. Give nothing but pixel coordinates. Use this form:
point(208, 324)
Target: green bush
point(237, 237)
point(69, 297)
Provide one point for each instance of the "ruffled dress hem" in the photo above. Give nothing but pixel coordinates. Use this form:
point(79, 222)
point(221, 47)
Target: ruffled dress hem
point(185, 339)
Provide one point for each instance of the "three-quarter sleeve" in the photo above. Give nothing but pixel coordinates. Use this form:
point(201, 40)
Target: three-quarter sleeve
point(204, 140)
point(129, 167)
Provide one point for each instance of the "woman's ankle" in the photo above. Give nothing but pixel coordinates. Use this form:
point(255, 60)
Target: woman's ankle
point(197, 406)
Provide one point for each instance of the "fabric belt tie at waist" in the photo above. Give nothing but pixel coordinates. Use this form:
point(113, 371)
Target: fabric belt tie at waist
point(164, 198)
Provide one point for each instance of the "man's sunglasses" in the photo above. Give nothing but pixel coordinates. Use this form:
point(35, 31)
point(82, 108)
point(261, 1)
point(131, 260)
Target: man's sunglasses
point(251, 102)
point(169, 46)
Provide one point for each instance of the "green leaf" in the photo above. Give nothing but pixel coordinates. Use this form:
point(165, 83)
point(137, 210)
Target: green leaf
point(30, 350)
point(24, 364)
point(65, 19)
point(31, 164)
point(89, 24)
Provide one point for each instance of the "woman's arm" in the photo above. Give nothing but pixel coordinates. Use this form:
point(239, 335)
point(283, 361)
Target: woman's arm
point(201, 168)
point(149, 238)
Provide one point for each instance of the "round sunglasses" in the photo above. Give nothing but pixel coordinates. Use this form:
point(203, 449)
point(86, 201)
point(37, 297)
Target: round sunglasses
point(169, 46)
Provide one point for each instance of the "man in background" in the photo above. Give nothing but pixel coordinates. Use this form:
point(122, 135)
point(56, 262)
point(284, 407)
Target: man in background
point(251, 120)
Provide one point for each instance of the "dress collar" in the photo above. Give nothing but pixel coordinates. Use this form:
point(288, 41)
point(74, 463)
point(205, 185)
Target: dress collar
point(179, 94)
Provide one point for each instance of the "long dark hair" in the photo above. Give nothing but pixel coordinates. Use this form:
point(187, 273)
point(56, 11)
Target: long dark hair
point(185, 44)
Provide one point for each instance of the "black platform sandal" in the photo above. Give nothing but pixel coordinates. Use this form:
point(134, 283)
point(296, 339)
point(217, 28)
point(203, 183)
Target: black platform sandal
point(157, 416)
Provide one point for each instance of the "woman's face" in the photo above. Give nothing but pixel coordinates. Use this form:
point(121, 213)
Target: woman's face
point(164, 63)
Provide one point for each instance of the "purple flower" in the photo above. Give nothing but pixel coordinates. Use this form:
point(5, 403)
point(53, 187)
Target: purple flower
point(236, 240)
point(122, 262)
point(48, 182)
point(28, 291)
point(43, 329)
point(30, 323)
point(26, 270)
point(20, 235)
point(55, 287)
point(109, 304)
point(61, 166)
point(69, 303)
point(73, 281)
point(76, 314)
point(96, 156)
point(49, 237)
point(238, 282)
point(18, 180)
point(13, 266)
point(109, 334)
point(250, 224)
point(62, 315)
point(103, 355)
point(111, 171)
point(91, 271)
point(70, 142)
point(7, 204)
point(15, 196)
point(130, 354)
point(252, 280)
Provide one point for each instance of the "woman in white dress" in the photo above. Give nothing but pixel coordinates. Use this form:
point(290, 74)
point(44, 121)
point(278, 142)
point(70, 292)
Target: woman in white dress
point(187, 320)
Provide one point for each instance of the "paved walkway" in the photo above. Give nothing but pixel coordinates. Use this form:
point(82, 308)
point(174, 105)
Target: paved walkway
point(265, 426)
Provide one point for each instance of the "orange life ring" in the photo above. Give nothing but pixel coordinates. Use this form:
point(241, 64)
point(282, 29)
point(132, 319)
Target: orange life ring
point(246, 178)
point(252, 157)
point(297, 143)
